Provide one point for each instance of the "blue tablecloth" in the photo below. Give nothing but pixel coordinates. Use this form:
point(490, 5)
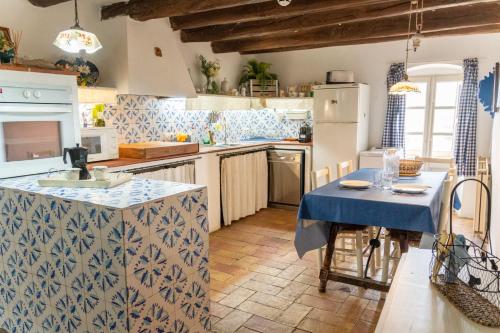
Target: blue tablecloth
point(371, 207)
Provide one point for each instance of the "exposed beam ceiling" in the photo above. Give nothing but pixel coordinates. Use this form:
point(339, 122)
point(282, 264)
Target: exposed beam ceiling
point(144, 10)
point(440, 20)
point(492, 28)
point(266, 10)
point(295, 24)
point(46, 3)
point(256, 26)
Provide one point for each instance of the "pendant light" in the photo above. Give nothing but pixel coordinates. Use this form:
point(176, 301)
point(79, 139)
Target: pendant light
point(76, 39)
point(404, 86)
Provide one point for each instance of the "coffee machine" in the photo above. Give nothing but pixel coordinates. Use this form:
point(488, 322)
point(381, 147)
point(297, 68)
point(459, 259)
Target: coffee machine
point(305, 135)
point(78, 156)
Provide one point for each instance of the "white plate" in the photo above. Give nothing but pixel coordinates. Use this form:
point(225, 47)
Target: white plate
point(358, 184)
point(409, 188)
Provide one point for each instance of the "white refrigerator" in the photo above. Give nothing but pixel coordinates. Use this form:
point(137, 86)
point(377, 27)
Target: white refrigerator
point(341, 116)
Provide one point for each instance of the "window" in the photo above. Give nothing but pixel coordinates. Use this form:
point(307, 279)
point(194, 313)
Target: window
point(431, 116)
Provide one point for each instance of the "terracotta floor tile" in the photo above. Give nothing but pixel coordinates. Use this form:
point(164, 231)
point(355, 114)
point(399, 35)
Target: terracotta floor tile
point(291, 272)
point(307, 279)
point(315, 326)
point(272, 280)
point(370, 316)
point(293, 290)
point(331, 318)
point(243, 329)
point(260, 310)
point(319, 303)
point(222, 287)
point(270, 300)
point(364, 327)
point(219, 276)
point(237, 297)
point(230, 254)
point(376, 305)
point(263, 325)
point(262, 287)
point(231, 322)
point(332, 295)
point(272, 288)
point(353, 307)
point(294, 314)
point(219, 310)
point(216, 296)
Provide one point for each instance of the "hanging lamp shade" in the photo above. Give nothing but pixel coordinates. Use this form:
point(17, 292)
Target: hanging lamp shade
point(404, 87)
point(76, 39)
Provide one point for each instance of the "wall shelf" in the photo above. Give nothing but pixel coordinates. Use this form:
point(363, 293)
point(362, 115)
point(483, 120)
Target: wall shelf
point(225, 102)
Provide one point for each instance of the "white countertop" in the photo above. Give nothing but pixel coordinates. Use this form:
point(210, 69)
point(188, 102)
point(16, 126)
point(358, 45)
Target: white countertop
point(135, 192)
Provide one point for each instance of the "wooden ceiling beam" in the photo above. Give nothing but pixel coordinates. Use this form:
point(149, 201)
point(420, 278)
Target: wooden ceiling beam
point(445, 19)
point(143, 10)
point(492, 28)
point(46, 3)
point(305, 22)
point(266, 10)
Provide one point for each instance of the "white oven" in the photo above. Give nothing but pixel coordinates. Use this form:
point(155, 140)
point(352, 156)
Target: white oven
point(38, 119)
point(102, 143)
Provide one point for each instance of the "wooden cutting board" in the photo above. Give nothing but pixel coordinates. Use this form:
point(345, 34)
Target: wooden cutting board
point(157, 149)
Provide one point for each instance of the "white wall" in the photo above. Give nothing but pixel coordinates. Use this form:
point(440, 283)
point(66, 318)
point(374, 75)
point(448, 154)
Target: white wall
point(232, 63)
point(495, 167)
point(371, 63)
point(40, 26)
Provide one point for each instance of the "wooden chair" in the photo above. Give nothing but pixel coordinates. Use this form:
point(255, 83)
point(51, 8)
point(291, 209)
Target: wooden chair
point(394, 235)
point(320, 178)
point(344, 168)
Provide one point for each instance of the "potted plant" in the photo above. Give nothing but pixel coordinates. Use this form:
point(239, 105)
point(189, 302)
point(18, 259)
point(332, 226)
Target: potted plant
point(210, 69)
point(258, 75)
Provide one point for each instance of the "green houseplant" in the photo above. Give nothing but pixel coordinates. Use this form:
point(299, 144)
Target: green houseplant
point(256, 70)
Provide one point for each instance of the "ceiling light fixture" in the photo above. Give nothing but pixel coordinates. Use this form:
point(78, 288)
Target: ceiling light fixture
point(284, 3)
point(76, 39)
point(404, 86)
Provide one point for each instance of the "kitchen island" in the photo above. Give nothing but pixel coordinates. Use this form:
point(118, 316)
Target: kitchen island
point(129, 259)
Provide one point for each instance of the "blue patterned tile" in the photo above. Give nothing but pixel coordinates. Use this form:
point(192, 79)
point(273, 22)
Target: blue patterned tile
point(50, 282)
point(70, 317)
point(22, 317)
point(191, 249)
point(31, 249)
point(103, 269)
point(156, 317)
point(37, 301)
point(173, 284)
point(136, 304)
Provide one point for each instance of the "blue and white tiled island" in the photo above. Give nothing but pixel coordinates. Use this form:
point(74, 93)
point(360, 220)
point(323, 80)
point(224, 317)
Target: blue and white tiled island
point(129, 259)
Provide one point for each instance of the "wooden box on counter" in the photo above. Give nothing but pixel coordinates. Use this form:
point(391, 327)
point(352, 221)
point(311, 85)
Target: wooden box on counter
point(157, 149)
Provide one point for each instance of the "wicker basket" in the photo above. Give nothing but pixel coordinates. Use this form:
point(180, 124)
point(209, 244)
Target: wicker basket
point(466, 273)
point(410, 168)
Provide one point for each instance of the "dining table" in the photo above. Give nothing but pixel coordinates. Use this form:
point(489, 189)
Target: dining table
point(333, 208)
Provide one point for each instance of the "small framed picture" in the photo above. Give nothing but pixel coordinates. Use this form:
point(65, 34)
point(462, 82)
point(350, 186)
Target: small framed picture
point(5, 32)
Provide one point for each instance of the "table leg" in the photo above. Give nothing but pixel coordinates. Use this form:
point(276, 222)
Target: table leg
point(327, 261)
point(403, 242)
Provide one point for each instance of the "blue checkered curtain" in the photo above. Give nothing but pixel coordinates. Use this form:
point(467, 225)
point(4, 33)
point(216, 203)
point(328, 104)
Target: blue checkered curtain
point(465, 137)
point(394, 130)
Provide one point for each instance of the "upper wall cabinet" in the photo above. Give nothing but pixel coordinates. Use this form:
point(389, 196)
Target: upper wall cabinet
point(153, 63)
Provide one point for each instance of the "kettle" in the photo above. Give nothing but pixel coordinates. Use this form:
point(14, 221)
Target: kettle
point(78, 156)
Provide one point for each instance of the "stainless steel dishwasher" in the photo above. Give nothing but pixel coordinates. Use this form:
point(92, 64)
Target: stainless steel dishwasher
point(286, 177)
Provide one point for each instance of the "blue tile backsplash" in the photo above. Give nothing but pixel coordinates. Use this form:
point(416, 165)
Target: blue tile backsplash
point(146, 118)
